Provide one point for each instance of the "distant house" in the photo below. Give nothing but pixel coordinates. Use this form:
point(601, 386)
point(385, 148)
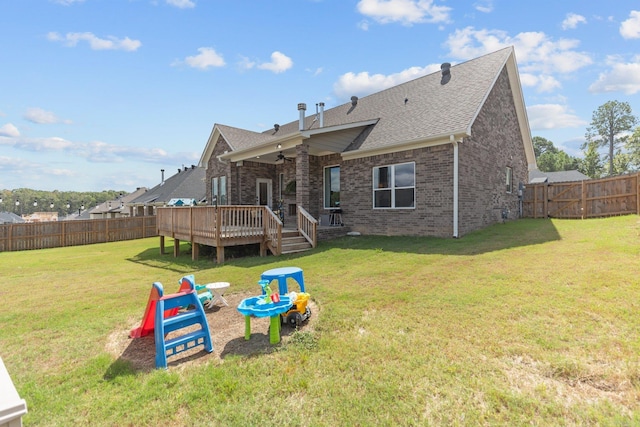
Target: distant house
point(116, 208)
point(41, 217)
point(538, 177)
point(440, 155)
point(186, 185)
point(10, 218)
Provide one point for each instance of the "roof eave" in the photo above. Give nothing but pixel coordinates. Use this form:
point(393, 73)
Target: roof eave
point(441, 139)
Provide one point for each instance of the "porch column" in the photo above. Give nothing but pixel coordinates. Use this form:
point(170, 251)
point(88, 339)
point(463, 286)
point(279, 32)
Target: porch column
point(302, 176)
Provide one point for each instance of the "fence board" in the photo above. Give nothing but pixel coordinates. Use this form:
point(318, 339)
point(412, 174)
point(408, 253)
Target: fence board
point(53, 234)
point(593, 198)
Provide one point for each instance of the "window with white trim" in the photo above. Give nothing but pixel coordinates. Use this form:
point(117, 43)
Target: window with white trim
point(394, 186)
point(219, 190)
point(332, 187)
point(509, 176)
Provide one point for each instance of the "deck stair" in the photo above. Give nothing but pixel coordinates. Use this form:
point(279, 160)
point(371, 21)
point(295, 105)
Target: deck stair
point(294, 242)
point(194, 315)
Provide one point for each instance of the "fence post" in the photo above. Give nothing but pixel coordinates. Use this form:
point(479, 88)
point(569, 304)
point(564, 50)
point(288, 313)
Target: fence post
point(583, 205)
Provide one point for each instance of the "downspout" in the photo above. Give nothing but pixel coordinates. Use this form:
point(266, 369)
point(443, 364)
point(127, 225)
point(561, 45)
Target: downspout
point(455, 185)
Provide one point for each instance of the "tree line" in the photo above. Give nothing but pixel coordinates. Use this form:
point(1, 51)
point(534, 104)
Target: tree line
point(614, 127)
point(25, 201)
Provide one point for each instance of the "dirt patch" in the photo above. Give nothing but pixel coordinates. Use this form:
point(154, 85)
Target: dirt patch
point(227, 333)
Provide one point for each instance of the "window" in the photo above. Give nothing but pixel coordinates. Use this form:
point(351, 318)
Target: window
point(509, 173)
point(394, 186)
point(332, 187)
point(219, 190)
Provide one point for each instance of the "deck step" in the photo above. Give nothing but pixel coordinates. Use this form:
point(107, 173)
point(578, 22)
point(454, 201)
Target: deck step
point(295, 244)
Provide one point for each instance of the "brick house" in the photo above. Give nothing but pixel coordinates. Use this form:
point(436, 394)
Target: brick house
point(441, 155)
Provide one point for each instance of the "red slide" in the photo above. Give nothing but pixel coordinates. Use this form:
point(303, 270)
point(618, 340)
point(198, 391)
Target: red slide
point(148, 320)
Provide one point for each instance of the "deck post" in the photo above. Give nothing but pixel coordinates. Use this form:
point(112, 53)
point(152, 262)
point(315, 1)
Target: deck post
point(263, 248)
point(176, 247)
point(220, 254)
point(161, 245)
point(195, 250)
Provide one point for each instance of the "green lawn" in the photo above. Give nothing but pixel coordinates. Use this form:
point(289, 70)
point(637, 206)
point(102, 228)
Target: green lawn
point(529, 322)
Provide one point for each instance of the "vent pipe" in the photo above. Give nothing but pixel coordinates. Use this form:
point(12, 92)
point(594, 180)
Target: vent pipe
point(162, 175)
point(321, 114)
point(445, 68)
point(302, 107)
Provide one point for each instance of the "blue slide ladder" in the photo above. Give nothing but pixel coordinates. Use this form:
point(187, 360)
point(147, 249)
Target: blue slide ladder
point(180, 320)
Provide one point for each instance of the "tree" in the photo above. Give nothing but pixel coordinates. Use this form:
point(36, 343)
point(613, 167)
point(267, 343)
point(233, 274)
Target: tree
point(550, 159)
point(633, 146)
point(591, 164)
point(610, 127)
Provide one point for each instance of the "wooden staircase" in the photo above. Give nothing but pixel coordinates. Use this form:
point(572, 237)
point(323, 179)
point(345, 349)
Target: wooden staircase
point(293, 242)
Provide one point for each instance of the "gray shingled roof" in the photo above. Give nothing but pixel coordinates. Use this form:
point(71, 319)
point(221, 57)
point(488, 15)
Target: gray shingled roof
point(189, 183)
point(419, 109)
point(10, 218)
point(536, 176)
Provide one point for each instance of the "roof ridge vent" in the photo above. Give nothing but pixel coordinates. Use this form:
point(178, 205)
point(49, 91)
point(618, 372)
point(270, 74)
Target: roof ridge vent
point(354, 100)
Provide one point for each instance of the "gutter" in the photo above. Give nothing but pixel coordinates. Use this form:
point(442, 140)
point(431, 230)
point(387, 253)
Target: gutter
point(455, 185)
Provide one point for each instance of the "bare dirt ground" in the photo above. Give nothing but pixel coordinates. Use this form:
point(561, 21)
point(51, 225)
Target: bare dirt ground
point(227, 333)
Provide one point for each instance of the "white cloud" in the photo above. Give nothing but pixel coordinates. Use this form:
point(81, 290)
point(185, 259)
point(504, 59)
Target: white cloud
point(630, 29)
point(406, 12)
point(572, 20)
point(44, 144)
point(96, 43)
point(42, 117)
point(207, 58)
point(279, 63)
point(552, 116)
point(182, 4)
point(542, 83)
point(245, 63)
point(485, 6)
point(623, 77)
point(536, 53)
point(364, 84)
point(9, 130)
point(67, 2)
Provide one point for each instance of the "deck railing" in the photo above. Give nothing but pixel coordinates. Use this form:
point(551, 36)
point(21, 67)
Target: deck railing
point(221, 226)
point(308, 226)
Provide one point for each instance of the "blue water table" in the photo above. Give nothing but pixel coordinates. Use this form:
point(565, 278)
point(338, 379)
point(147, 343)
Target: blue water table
point(267, 305)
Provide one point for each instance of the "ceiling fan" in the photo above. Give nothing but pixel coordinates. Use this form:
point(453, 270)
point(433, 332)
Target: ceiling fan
point(282, 157)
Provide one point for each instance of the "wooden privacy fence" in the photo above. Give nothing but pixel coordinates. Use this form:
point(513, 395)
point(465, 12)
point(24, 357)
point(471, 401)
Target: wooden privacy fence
point(593, 198)
point(53, 234)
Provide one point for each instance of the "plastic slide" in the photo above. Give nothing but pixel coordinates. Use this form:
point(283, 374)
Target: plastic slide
point(148, 320)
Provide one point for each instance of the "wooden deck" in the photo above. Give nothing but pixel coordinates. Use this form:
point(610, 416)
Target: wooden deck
point(222, 226)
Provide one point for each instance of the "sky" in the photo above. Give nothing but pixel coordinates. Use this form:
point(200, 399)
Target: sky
point(103, 94)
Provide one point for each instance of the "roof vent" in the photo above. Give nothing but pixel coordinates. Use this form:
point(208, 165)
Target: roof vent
point(354, 100)
point(276, 127)
point(446, 73)
point(302, 107)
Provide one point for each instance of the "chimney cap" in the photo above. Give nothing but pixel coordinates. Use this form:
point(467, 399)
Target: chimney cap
point(302, 106)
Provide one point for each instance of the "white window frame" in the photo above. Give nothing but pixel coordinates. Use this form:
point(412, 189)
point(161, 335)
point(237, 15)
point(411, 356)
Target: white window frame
point(325, 202)
point(392, 186)
point(509, 179)
point(219, 189)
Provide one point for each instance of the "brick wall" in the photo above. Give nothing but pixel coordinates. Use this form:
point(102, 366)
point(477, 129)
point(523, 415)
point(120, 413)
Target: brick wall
point(496, 143)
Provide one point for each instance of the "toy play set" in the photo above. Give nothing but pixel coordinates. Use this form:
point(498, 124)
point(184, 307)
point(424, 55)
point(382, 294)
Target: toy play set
point(185, 308)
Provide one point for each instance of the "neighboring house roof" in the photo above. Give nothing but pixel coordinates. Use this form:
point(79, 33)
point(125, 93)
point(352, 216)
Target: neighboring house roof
point(118, 205)
point(420, 112)
point(10, 218)
point(537, 177)
point(188, 183)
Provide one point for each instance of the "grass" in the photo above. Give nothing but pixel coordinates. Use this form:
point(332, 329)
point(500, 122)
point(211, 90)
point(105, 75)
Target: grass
point(529, 322)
